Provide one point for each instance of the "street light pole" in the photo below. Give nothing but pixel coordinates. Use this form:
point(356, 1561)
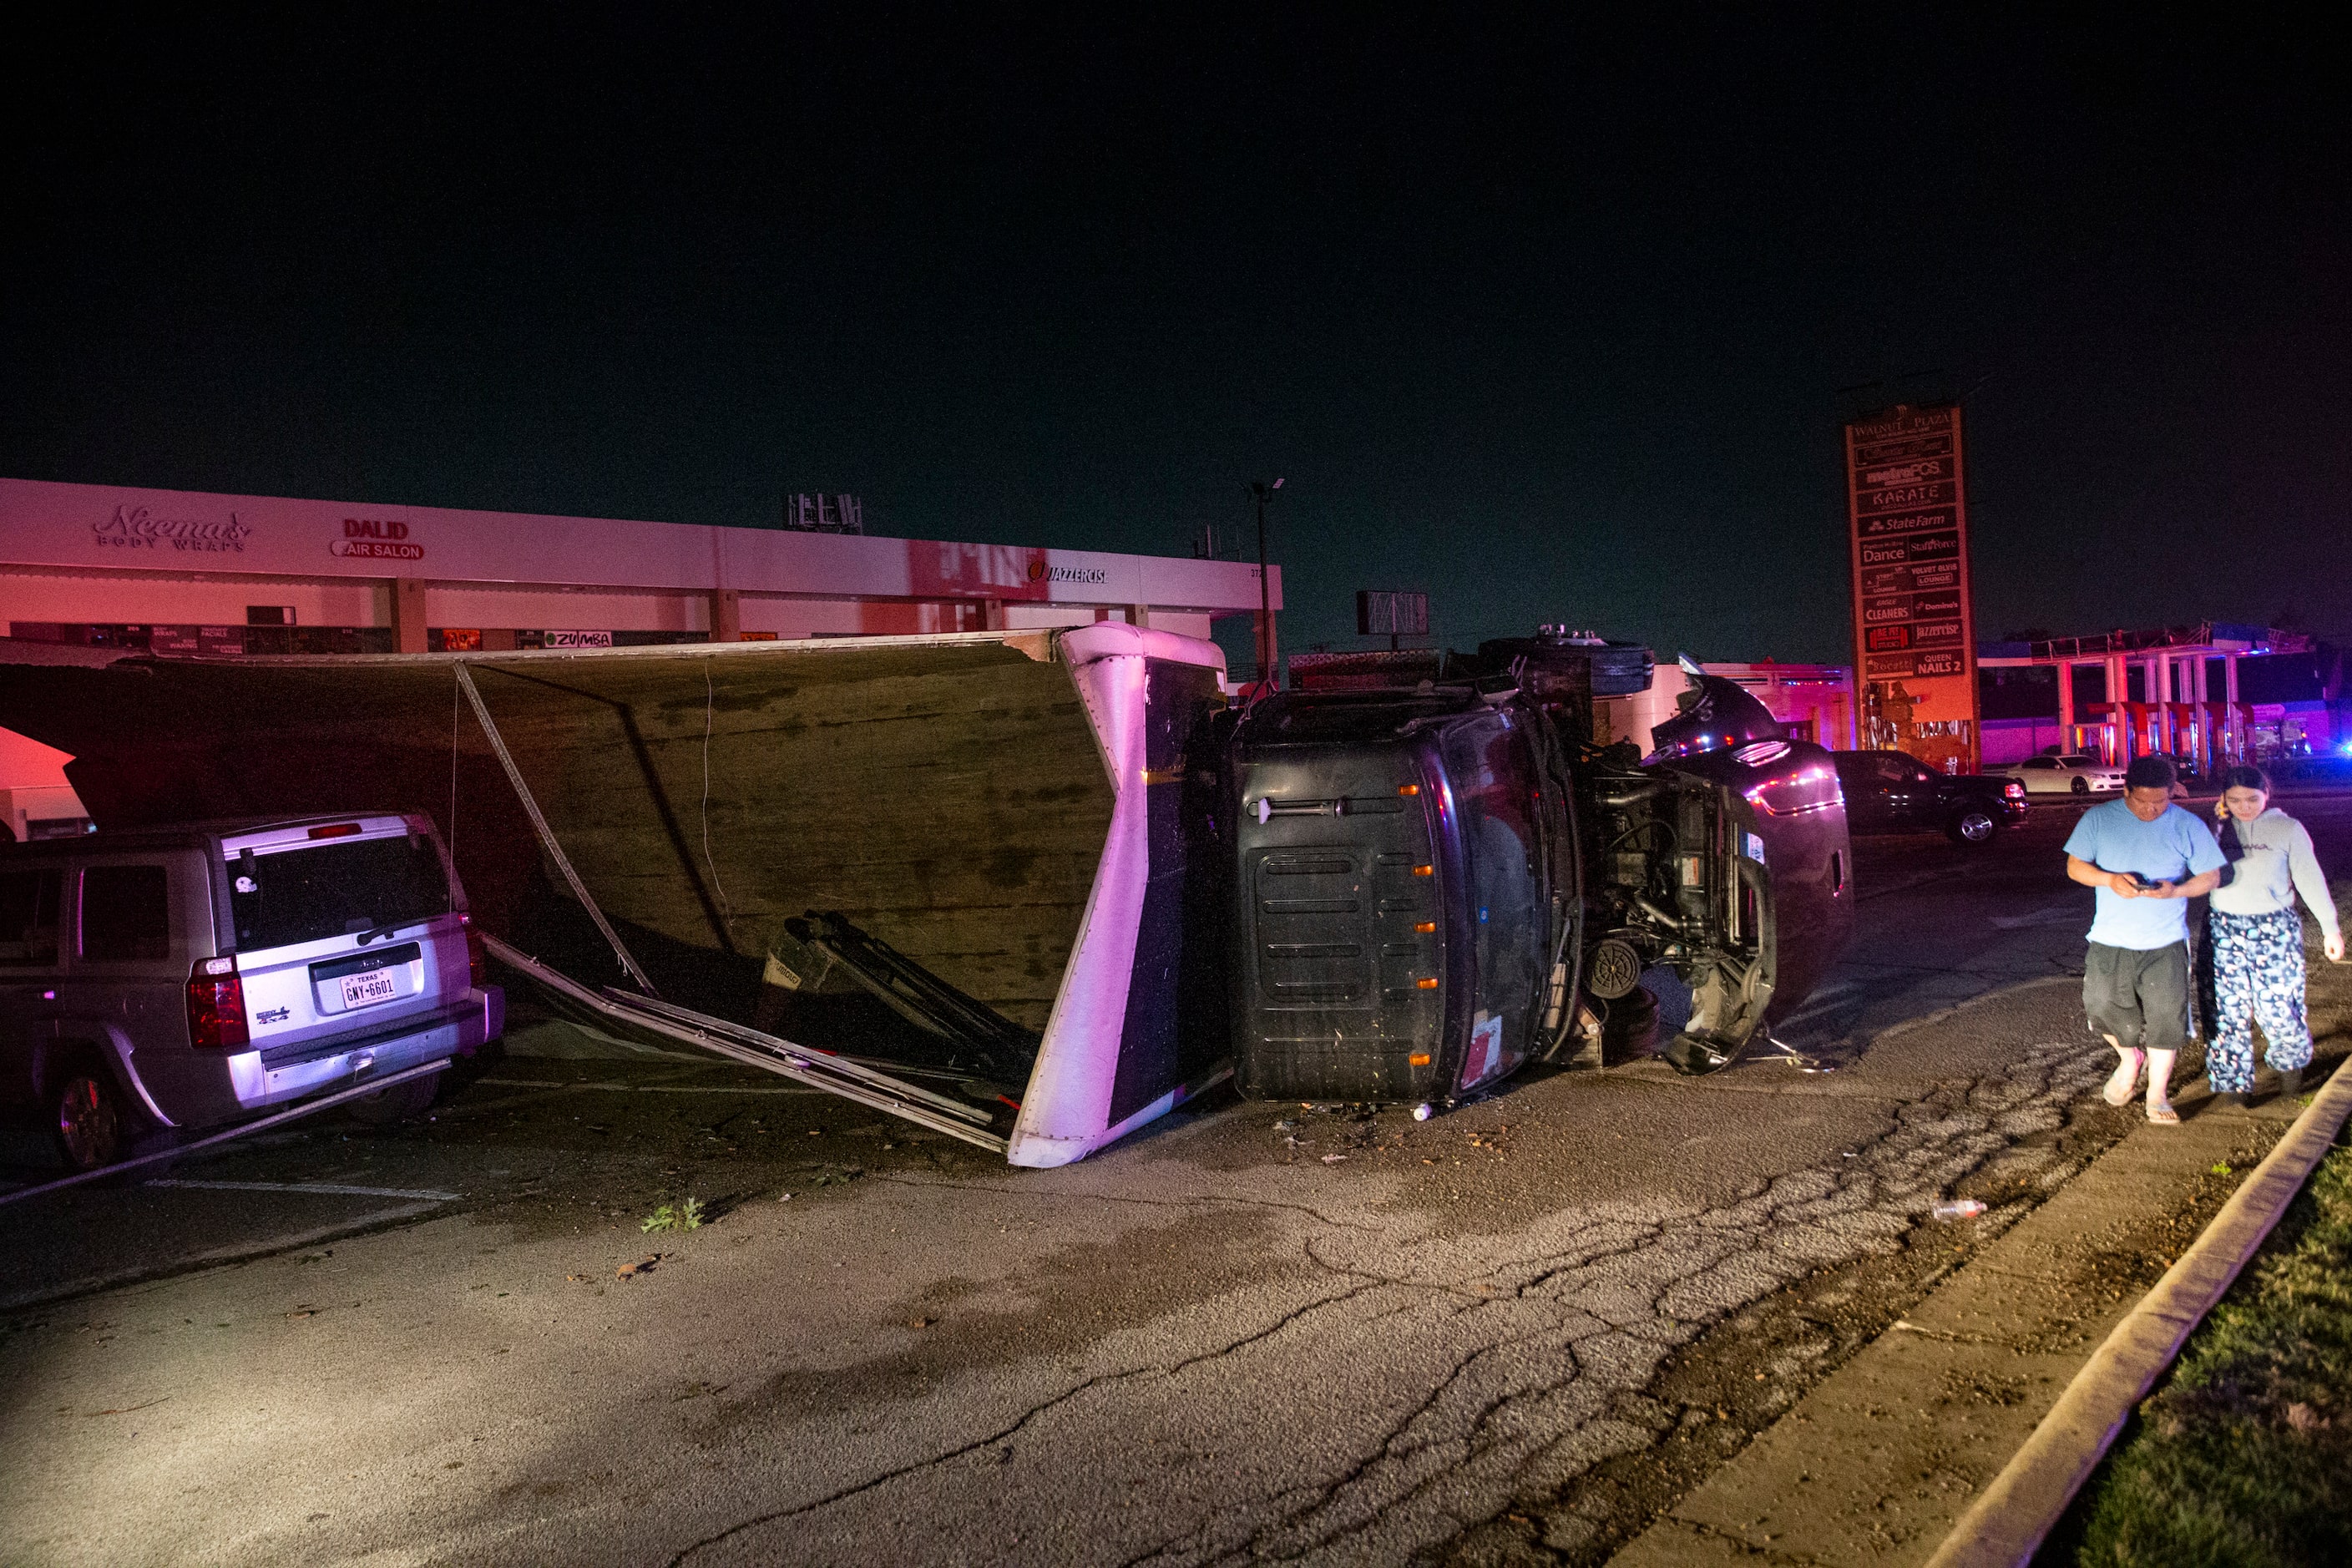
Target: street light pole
point(1264, 494)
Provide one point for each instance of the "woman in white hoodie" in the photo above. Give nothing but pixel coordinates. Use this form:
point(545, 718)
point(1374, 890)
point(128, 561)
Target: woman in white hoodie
point(2257, 939)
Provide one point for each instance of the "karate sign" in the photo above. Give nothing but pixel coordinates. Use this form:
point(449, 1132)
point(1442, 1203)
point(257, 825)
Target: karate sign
point(1914, 631)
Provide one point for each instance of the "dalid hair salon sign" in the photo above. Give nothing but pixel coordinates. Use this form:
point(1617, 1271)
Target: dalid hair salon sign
point(377, 539)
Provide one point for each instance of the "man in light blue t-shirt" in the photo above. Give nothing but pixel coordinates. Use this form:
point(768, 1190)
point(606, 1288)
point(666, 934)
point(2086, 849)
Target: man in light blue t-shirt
point(2146, 858)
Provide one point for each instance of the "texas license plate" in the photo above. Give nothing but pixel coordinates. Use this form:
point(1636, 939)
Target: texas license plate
point(374, 985)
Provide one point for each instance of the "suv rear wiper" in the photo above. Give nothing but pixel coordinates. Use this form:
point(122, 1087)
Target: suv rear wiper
point(378, 933)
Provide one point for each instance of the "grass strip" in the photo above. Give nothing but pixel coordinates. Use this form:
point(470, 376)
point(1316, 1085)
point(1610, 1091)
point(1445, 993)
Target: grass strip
point(2243, 1459)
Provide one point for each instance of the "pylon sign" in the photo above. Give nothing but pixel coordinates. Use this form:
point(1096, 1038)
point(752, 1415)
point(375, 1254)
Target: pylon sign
point(1914, 628)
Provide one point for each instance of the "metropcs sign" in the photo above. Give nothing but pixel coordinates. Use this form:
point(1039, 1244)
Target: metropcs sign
point(373, 539)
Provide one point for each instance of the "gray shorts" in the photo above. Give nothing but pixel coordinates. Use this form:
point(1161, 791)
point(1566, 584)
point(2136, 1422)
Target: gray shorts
point(2139, 997)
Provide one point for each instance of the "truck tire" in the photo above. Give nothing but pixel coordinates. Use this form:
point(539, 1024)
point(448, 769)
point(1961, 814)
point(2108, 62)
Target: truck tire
point(89, 1121)
point(1973, 825)
point(1631, 1028)
point(398, 1103)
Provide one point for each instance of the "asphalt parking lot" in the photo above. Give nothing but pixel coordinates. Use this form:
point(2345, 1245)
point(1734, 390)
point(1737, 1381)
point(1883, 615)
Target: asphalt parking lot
point(1254, 1331)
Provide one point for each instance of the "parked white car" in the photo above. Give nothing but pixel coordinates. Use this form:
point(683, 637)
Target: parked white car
point(2075, 774)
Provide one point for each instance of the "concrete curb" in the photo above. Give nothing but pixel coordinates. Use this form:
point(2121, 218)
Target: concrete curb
point(2011, 1516)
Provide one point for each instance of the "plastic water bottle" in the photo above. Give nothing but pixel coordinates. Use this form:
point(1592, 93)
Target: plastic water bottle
point(1957, 1208)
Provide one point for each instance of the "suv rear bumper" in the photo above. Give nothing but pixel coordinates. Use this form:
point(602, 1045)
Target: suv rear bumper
point(257, 1080)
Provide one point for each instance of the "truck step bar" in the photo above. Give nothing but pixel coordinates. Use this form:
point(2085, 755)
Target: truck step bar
point(851, 1080)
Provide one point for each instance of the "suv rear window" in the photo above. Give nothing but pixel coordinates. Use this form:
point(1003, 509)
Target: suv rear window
point(126, 914)
point(334, 890)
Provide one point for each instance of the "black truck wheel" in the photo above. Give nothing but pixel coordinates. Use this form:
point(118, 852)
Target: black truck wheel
point(1630, 1030)
point(1972, 824)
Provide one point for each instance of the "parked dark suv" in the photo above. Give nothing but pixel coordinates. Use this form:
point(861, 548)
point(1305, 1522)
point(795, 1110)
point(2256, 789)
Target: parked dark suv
point(1887, 791)
point(185, 978)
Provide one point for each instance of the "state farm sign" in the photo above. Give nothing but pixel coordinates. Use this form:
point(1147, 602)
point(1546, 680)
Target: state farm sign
point(375, 539)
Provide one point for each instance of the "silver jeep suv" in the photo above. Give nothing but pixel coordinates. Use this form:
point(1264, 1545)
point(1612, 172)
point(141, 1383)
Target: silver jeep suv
point(182, 977)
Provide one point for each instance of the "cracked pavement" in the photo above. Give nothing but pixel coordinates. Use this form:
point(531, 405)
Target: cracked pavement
point(1209, 1346)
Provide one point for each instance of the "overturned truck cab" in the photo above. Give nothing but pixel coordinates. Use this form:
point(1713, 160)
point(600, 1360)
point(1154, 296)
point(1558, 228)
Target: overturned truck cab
point(1434, 886)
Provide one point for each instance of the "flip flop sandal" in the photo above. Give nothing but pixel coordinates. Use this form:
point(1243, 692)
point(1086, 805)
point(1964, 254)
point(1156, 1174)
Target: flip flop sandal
point(2140, 1075)
point(2163, 1116)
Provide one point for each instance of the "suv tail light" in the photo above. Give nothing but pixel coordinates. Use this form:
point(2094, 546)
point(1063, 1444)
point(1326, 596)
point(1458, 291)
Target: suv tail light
point(217, 1006)
point(477, 961)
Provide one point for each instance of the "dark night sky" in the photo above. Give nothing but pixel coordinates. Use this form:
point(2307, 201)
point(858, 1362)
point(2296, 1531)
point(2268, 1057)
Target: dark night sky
point(1552, 324)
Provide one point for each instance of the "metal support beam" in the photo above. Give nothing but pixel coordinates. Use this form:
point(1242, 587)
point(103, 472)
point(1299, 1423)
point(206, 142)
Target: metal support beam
point(2242, 744)
point(547, 835)
point(851, 1079)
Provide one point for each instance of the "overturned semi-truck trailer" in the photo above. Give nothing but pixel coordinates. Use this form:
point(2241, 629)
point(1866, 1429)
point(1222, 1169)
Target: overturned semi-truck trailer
point(1004, 815)
point(1034, 890)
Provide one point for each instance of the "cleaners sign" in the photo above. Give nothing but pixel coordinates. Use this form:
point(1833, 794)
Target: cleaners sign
point(1915, 629)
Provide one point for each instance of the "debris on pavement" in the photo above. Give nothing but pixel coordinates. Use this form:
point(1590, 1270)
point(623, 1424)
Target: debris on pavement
point(643, 1266)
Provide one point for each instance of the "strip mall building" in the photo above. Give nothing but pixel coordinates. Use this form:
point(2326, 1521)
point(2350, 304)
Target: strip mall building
point(183, 572)
point(2213, 693)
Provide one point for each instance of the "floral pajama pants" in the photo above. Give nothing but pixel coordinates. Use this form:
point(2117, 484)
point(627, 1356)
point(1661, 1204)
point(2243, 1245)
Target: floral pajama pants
point(2257, 977)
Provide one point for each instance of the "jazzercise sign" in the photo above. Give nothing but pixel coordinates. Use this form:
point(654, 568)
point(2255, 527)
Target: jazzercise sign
point(374, 539)
point(1086, 576)
point(136, 528)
